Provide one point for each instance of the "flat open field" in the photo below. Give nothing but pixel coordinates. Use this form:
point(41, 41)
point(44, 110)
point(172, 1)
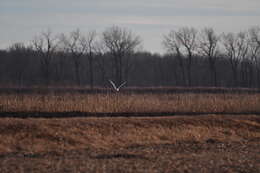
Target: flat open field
point(129, 132)
point(209, 143)
point(102, 103)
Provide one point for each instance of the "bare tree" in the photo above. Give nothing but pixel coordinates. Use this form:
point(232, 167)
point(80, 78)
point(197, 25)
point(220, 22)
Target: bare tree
point(100, 50)
point(254, 50)
point(91, 50)
point(120, 42)
point(59, 64)
point(236, 47)
point(172, 45)
point(187, 38)
point(184, 43)
point(208, 45)
point(19, 56)
point(45, 45)
point(76, 45)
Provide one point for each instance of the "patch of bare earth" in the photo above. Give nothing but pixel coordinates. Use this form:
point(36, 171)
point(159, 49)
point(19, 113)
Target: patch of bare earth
point(211, 143)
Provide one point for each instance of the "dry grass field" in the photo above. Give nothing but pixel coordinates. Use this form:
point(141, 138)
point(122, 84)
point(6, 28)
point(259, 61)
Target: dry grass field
point(211, 143)
point(117, 102)
point(202, 143)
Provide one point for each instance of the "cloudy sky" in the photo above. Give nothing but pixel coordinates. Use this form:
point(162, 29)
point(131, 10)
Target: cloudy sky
point(21, 20)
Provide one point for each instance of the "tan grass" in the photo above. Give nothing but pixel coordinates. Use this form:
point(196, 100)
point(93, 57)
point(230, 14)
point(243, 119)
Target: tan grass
point(45, 135)
point(212, 143)
point(130, 103)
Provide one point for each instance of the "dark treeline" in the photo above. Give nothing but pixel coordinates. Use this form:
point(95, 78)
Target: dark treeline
point(192, 58)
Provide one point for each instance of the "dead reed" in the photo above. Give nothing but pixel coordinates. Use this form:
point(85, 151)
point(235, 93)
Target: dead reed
point(117, 102)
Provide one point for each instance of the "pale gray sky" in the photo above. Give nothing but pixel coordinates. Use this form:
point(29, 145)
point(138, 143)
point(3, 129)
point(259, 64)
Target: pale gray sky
point(21, 20)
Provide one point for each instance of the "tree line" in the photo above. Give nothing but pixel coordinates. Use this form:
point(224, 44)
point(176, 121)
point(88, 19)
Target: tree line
point(192, 58)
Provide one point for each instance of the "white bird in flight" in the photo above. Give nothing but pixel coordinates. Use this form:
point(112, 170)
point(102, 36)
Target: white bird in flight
point(114, 85)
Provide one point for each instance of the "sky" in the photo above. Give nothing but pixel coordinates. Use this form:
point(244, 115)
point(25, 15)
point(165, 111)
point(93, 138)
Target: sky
point(21, 20)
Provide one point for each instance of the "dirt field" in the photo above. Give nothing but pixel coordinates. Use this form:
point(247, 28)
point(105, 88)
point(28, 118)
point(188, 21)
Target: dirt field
point(208, 143)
